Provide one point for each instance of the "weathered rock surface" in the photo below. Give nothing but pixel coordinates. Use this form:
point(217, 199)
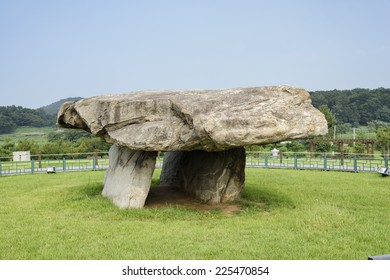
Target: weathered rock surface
point(129, 175)
point(202, 130)
point(213, 177)
point(210, 120)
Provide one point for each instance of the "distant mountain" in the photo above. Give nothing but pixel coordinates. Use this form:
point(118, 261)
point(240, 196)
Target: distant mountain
point(53, 108)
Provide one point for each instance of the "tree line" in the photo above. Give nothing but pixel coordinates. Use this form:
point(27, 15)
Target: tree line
point(58, 143)
point(13, 116)
point(357, 106)
point(351, 108)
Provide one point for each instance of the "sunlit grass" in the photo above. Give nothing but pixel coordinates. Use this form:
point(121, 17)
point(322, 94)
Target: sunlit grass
point(38, 134)
point(286, 214)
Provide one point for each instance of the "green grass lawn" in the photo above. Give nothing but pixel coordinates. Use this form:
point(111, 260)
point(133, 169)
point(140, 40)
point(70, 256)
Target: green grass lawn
point(286, 214)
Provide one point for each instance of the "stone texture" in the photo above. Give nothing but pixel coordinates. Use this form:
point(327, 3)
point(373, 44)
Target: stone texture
point(128, 178)
point(210, 120)
point(213, 177)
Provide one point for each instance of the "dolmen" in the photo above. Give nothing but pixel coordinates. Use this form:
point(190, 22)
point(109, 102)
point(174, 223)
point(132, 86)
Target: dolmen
point(202, 134)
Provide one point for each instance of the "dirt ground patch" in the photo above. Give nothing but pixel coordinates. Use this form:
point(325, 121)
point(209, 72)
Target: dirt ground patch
point(167, 196)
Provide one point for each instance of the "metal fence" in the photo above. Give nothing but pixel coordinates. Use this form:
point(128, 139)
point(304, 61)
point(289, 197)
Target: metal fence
point(323, 161)
point(60, 163)
point(100, 161)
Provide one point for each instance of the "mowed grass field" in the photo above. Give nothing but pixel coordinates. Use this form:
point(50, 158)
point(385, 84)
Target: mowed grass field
point(285, 214)
point(38, 134)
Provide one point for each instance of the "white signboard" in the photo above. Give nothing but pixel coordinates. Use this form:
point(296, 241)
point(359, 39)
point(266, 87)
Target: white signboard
point(22, 156)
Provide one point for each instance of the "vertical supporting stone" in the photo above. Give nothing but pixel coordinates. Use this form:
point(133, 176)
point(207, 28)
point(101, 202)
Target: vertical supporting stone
point(129, 175)
point(213, 177)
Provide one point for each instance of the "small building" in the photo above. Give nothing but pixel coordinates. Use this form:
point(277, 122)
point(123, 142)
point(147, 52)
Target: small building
point(22, 156)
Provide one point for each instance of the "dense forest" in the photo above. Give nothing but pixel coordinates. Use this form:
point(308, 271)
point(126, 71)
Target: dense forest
point(357, 106)
point(12, 117)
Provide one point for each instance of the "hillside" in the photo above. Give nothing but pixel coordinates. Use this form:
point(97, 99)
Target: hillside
point(357, 106)
point(13, 117)
point(53, 108)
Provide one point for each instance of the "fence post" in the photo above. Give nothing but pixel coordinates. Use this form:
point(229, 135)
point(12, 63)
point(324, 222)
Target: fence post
point(325, 162)
point(295, 161)
point(63, 164)
point(94, 164)
point(1, 170)
point(32, 166)
point(354, 163)
point(266, 160)
point(96, 156)
point(40, 161)
point(386, 161)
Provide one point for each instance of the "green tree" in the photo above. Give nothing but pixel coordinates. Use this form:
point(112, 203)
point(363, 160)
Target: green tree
point(7, 148)
point(383, 113)
point(25, 117)
point(359, 148)
point(27, 145)
point(295, 146)
point(54, 136)
point(322, 147)
point(89, 145)
point(329, 116)
point(73, 135)
point(376, 124)
point(57, 148)
point(383, 135)
point(357, 106)
point(344, 128)
point(51, 148)
point(6, 124)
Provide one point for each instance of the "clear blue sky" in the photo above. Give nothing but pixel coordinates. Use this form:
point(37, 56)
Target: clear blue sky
point(55, 49)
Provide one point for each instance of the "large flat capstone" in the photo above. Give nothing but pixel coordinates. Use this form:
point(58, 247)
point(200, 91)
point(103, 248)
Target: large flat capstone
point(194, 126)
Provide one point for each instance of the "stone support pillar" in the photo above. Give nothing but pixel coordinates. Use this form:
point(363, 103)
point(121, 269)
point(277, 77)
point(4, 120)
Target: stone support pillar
point(129, 175)
point(213, 177)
